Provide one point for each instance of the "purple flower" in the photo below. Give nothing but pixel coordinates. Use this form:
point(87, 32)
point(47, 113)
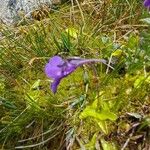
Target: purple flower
point(147, 3)
point(58, 68)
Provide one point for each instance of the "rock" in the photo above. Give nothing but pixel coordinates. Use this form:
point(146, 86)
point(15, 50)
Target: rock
point(11, 11)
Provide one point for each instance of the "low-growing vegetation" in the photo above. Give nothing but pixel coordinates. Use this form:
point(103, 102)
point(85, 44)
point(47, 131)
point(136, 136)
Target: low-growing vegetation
point(98, 106)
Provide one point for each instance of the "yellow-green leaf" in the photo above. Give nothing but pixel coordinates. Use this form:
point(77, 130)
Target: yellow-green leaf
point(103, 115)
point(117, 53)
point(108, 145)
point(103, 126)
point(72, 32)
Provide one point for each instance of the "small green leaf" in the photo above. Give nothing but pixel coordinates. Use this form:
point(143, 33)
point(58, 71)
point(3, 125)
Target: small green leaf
point(91, 144)
point(133, 42)
point(36, 84)
point(148, 79)
point(7, 103)
point(145, 122)
point(117, 53)
point(108, 145)
point(94, 104)
point(78, 101)
point(72, 32)
point(109, 115)
point(103, 126)
point(105, 39)
point(138, 82)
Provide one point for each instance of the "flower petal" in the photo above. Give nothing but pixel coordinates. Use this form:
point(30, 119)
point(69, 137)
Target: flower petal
point(69, 68)
point(57, 68)
point(54, 85)
point(52, 68)
point(147, 3)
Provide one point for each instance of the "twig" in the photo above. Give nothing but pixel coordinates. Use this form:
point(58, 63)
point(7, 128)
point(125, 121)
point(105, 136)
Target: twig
point(128, 140)
point(109, 66)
